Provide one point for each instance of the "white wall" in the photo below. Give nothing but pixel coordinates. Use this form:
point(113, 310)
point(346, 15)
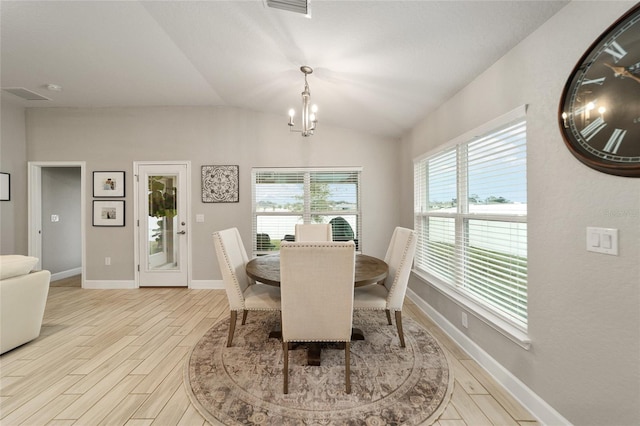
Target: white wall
point(13, 160)
point(584, 308)
point(112, 138)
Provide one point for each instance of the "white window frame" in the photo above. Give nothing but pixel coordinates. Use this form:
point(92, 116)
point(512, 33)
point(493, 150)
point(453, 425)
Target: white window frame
point(513, 329)
point(307, 213)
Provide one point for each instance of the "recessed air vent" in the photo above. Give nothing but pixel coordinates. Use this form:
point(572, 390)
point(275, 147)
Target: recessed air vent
point(23, 93)
point(297, 6)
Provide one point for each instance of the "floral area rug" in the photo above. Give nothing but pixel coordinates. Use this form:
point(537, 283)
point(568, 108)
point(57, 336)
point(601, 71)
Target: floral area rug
point(242, 385)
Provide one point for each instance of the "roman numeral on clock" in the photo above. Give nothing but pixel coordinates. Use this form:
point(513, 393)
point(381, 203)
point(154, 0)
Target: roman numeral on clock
point(615, 50)
point(599, 81)
point(614, 141)
point(592, 129)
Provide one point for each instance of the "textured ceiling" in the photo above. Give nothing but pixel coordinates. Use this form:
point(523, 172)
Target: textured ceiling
point(379, 66)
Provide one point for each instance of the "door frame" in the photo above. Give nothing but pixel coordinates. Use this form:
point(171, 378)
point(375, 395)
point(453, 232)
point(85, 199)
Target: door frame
point(34, 209)
point(136, 216)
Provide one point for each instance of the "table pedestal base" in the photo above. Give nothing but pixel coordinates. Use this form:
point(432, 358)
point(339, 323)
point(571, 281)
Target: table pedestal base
point(356, 334)
point(275, 334)
point(314, 349)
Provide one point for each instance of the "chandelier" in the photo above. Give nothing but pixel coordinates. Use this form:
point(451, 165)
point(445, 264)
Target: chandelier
point(309, 112)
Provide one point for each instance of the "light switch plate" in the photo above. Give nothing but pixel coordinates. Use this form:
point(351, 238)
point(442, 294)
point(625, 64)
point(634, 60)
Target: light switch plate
point(199, 218)
point(602, 240)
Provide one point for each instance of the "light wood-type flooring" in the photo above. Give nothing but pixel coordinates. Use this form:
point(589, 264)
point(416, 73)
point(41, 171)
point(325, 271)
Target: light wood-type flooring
point(116, 357)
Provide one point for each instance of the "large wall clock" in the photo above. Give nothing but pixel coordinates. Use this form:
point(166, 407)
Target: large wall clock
point(600, 106)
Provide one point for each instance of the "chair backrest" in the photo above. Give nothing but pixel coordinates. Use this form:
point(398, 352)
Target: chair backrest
point(313, 232)
point(341, 229)
point(399, 257)
point(316, 287)
point(263, 242)
point(232, 258)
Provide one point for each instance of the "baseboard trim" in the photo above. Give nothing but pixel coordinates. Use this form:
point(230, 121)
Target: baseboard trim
point(206, 285)
point(540, 409)
point(130, 284)
point(109, 284)
point(66, 274)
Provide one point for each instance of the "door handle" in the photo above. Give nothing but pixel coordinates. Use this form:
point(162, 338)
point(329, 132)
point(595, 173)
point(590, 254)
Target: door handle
point(181, 232)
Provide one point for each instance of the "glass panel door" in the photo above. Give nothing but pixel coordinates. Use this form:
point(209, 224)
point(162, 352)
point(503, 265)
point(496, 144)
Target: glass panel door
point(162, 225)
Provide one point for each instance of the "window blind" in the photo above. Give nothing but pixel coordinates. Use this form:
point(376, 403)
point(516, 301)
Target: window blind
point(470, 214)
point(283, 198)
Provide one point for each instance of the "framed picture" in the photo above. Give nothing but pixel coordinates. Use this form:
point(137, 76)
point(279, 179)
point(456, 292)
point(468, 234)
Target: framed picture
point(108, 184)
point(108, 213)
point(5, 187)
point(220, 184)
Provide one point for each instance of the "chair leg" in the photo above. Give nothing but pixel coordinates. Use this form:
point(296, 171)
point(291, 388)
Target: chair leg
point(399, 325)
point(244, 316)
point(388, 316)
point(232, 327)
point(347, 365)
point(285, 351)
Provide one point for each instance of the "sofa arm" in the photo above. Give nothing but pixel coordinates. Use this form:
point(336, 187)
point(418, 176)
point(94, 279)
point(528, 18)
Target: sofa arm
point(22, 302)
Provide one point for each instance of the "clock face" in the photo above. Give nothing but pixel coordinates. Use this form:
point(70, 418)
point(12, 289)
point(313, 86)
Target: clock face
point(600, 105)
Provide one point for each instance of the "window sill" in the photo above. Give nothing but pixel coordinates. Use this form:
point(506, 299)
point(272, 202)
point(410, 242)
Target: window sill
point(498, 323)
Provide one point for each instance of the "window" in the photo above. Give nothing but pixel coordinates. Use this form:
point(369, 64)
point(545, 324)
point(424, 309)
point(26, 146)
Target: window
point(471, 217)
point(284, 197)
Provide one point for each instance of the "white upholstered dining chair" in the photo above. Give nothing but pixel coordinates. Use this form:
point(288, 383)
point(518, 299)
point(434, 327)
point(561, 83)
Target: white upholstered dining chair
point(243, 293)
point(316, 282)
point(314, 232)
point(390, 296)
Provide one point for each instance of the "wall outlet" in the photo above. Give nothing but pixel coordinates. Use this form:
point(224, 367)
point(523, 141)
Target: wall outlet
point(465, 320)
point(107, 261)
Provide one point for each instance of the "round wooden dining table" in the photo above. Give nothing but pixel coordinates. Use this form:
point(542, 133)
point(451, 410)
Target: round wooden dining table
point(368, 270)
point(266, 269)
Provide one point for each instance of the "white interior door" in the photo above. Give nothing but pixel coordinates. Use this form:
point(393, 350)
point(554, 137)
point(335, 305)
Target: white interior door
point(162, 224)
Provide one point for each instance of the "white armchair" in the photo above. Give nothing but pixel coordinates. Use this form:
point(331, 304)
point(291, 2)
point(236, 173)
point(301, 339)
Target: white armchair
point(314, 232)
point(390, 296)
point(243, 293)
point(316, 282)
point(23, 297)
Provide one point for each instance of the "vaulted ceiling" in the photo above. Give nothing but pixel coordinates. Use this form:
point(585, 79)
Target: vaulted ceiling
point(379, 66)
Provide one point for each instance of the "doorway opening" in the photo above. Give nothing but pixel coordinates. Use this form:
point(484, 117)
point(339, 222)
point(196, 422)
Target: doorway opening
point(56, 216)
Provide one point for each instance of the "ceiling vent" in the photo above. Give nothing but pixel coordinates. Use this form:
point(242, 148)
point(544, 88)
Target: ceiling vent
point(297, 6)
point(23, 93)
